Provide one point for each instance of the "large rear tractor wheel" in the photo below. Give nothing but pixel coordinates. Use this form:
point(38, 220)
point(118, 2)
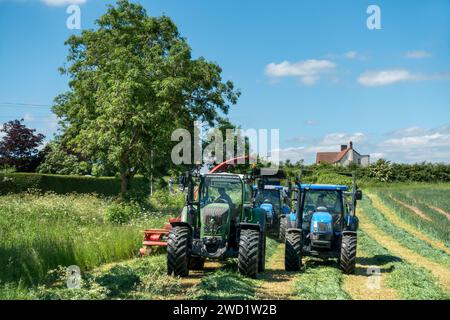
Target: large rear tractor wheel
point(262, 253)
point(178, 251)
point(248, 253)
point(293, 251)
point(283, 225)
point(347, 260)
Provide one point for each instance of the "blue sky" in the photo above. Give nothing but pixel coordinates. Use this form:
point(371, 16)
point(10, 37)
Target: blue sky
point(309, 68)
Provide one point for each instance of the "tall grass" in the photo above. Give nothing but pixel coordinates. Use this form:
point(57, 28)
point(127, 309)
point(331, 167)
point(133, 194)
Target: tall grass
point(132, 279)
point(39, 233)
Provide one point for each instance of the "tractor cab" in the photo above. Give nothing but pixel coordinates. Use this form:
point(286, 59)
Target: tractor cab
point(323, 214)
point(271, 196)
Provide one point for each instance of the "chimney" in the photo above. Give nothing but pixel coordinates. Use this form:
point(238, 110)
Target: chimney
point(351, 145)
point(343, 147)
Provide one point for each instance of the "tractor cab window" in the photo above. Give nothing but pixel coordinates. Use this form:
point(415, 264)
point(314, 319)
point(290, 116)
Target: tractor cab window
point(268, 195)
point(221, 190)
point(329, 200)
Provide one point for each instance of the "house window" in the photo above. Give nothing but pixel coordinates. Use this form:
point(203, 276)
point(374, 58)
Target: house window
point(359, 160)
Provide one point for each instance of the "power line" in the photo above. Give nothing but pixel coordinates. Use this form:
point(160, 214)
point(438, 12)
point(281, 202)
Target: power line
point(19, 104)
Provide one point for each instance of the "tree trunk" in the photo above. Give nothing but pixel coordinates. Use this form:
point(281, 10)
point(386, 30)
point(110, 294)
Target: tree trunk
point(125, 179)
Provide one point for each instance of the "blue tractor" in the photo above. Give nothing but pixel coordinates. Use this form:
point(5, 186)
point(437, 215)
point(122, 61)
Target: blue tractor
point(324, 225)
point(271, 196)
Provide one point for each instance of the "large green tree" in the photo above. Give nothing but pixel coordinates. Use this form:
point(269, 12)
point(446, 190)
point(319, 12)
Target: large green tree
point(132, 82)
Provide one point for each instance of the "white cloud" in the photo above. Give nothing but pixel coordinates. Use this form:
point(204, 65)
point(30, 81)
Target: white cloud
point(418, 54)
point(386, 77)
point(407, 132)
point(350, 55)
point(63, 2)
point(336, 139)
point(427, 140)
point(416, 144)
point(311, 122)
point(329, 143)
point(406, 145)
point(354, 55)
point(28, 117)
point(307, 71)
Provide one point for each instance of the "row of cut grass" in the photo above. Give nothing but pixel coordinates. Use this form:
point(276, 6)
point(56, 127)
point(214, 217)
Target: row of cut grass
point(227, 283)
point(437, 227)
point(320, 280)
point(409, 281)
point(403, 237)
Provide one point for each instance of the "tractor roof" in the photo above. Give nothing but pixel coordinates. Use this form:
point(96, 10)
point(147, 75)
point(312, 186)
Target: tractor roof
point(225, 174)
point(324, 187)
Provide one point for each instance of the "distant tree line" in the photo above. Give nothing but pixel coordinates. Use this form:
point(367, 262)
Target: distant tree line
point(380, 171)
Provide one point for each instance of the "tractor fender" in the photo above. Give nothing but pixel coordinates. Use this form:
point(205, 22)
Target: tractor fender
point(251, 226)
point(180, 224)
point(349, 232)
point(293, 230)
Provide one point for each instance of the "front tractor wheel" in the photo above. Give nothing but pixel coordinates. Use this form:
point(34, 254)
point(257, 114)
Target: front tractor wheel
point(178, 251)
point(262, 253)
point(249, 253)
point(347, 259)
point(293, 251)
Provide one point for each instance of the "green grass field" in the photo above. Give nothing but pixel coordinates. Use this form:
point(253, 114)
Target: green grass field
point(40, 235)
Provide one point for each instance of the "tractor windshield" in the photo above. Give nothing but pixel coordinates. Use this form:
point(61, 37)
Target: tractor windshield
point(268, 195)
point(221, 189)
point(331, 200)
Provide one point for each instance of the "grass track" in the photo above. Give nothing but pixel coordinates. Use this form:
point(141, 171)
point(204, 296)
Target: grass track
point(357, 284)
point(276, 283)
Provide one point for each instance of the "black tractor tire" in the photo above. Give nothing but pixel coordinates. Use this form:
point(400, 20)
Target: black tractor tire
point(347, 259)
point(283, 228)
point(178, 245)
point(293, 251)
point(248, 253)
point(262, 252)
point(196, 263)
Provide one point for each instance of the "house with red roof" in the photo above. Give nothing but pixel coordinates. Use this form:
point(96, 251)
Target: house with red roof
point(345, 157)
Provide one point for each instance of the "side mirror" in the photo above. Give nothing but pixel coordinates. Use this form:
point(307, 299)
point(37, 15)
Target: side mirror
point(358, 195)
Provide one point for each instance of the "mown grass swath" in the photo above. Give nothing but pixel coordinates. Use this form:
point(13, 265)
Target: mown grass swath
point(40, 233)
point(411, 282)
point(437, 227)
point(227, 283)
point(403, 237)
point(320, 280)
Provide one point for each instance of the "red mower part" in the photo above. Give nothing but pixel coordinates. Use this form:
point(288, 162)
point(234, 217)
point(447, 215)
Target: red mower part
point(155, 237)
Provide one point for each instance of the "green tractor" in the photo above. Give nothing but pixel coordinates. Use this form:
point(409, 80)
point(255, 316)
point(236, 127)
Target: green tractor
point(219, 221)
point(324, 225)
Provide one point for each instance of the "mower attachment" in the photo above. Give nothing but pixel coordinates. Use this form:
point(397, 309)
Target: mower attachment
point(156, 237)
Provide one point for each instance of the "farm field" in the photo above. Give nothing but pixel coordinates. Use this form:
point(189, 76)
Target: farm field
point(404, 232)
